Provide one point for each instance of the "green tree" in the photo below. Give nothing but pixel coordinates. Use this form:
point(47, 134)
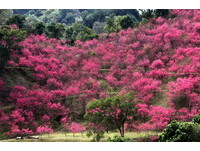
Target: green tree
point(151, 13)
point(147, 13)
point(39, 28)
point(117, 23)
point(126, 22)
point(4, 15)
point(113, 111)
point(79, 32)
point(9, 37)
point(180, 132)
point(161, 12)
point(93, 15)
point(18, 20)
point(196, 119)
point(55, 30)
point(112, 24)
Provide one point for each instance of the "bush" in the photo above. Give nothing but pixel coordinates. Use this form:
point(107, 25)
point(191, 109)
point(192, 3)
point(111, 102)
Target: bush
point(196, 131)
point(196, 119)
point(180, 132)
point(97, 136)
point(119, 139)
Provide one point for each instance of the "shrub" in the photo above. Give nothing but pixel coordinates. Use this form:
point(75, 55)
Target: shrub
point(114, 110)
point(119, 139)
point(196, 131)
point(97, 136)
point(196, 119)
point(180, 132)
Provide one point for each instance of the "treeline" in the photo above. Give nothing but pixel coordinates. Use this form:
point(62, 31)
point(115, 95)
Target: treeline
point(74, 24)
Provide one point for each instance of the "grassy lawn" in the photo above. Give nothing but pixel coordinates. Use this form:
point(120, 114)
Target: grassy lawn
point(78, 137)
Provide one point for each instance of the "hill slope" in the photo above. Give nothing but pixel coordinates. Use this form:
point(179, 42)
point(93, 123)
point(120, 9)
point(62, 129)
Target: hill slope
point(157, 61)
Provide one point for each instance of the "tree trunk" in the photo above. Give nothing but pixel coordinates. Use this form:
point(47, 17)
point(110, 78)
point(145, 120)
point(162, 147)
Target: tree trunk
point(107, 129)
point(121, 130)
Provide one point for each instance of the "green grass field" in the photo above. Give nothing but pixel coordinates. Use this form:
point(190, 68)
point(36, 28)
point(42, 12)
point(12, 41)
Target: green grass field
point(79, 137)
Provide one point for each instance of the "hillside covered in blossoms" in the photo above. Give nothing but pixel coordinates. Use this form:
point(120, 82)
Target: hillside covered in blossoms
point(141, 78)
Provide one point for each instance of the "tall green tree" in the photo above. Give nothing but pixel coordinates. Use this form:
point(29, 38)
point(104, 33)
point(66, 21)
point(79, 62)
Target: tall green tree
point(18, 20)
point(79, 32)
point(39, 28)
point(115, 111)
point(55, 30)
point(161, 12)
point(117, 23)
point(9, 37)
point(151, 13)
point(4, 15)
point(126, 22)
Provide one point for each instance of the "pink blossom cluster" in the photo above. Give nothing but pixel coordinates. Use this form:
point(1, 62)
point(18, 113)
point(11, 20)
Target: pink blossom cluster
point(76, 128)
point(44, 129)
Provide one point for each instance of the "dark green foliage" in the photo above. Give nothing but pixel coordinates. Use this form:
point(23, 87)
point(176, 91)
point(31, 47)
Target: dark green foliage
point(161, 12)
point(87, 17)
point(110, 27)
point(113, 24)
point(196, 132)
point(4, 128)
point(22, 11)
point(151, 13)
point(117, 23)
point(67, 16)
point(119, 139)
point(147, 13)
point(126, 22)
point(2, 136)
point(144, 21)
point(79, 32)
point(180, 132)
point(112, 111)
point(4, 57)
point(55, 30)
point(91, 16)
point(18, 20)
point(39, 28)
point(70, 16)
point(196, 119)
point(36, 12)
point(10, 37)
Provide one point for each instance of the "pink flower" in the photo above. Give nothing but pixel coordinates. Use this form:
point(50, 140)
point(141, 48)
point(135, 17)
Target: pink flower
point(76, 128)
point(44, 129)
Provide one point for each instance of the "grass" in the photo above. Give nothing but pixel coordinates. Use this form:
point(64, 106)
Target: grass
point(79, 137)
